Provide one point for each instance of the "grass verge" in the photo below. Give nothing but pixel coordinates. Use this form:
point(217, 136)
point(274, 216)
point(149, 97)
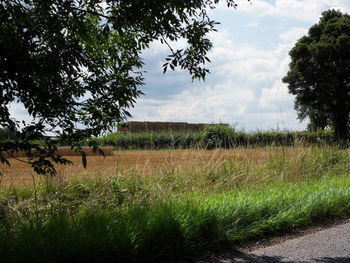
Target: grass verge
point(173, 216)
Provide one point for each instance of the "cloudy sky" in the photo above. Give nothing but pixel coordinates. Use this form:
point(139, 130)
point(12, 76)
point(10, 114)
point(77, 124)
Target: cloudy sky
point(248, 61)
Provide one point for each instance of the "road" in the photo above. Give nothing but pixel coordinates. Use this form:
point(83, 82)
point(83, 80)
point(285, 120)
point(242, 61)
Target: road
point(331, 245)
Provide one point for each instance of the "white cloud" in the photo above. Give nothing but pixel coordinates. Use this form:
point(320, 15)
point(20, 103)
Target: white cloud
point(253, 24)
point(199, 104)
point(245, 87)
point(249, 61)
point(292, 35)
point(276, 97)
point(306, 10)
point(18, 112)
point(156, 47)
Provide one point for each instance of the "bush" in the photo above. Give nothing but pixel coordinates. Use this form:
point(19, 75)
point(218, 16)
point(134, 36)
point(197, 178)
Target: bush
point(217, 136)
point(214, 136)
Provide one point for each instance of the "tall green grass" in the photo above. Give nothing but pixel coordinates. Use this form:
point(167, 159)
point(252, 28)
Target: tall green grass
point(174, 215)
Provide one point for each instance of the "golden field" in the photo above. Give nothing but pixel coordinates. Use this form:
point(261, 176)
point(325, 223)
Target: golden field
point(143, 163)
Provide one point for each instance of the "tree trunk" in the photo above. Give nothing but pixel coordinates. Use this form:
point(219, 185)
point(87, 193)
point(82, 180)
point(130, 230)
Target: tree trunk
point(341, 121)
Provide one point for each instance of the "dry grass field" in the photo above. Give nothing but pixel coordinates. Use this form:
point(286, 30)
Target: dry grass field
point(140, 163)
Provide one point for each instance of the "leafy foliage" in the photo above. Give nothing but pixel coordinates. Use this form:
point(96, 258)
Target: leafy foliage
point(319, 74)
point(216, 136)
point(76, 65)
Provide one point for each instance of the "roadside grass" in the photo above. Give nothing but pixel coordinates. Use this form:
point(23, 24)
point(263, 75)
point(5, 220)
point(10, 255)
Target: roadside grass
point(174, 214)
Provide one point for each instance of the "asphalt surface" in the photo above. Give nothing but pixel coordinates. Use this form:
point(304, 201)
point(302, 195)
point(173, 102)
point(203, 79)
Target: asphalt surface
point(330, 245)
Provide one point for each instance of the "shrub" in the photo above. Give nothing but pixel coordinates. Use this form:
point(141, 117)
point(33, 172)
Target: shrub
point(214, 136)
point(217, 136)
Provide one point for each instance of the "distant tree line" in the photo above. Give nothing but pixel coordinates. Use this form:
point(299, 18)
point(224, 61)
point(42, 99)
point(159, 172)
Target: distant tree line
point(213, 137)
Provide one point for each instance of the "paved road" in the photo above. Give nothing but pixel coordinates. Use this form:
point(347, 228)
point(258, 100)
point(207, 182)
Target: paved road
point(330, 245)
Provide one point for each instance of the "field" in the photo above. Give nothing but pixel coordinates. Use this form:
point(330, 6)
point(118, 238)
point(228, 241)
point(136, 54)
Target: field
point(142, 163)
point(168, 205)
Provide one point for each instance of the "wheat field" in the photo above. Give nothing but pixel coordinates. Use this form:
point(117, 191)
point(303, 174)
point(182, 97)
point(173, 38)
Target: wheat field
point(143, 163)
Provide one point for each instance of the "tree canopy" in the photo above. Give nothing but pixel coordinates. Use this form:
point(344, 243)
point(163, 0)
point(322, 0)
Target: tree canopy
point(76, 65)
point(319, 73)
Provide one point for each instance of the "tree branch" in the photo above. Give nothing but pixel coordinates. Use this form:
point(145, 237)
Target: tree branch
point(11, 155)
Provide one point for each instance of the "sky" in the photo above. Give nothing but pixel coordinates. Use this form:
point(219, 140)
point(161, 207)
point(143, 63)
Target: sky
point(248, 61)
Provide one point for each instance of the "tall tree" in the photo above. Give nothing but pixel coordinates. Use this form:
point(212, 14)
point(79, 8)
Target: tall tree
point(319, 73)
point(318, 119)
point(76, 65)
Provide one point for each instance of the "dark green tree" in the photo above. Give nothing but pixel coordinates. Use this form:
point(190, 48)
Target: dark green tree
point(318, 119)
point(76, 65)
point(319, 73)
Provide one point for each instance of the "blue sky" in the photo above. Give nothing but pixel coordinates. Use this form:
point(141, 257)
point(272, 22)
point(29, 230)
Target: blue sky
point(248, 61)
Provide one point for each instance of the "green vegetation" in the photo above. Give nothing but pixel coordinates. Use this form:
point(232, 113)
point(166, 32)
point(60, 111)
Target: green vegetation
point(319, 76)
point(174, 215)
point(217, 136)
